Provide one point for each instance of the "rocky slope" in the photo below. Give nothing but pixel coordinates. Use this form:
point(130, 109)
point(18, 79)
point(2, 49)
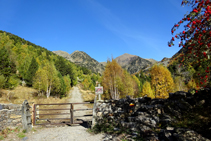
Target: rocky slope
point(132, 63)
point(82, 59)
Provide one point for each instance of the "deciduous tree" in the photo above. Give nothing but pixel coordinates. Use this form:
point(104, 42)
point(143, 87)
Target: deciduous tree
point(161, 81)
point(196, 37)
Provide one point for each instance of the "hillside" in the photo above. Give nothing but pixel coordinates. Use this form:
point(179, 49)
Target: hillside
point(82, 59)
point(26, 63)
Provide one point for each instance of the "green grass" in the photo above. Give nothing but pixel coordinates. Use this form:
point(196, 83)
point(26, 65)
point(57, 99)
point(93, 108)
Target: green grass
point(1, 137)
point(21, 135)
point(24, 131)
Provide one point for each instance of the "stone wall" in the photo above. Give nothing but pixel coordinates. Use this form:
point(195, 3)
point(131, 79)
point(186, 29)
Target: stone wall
point(152, 118)
point(10, 115)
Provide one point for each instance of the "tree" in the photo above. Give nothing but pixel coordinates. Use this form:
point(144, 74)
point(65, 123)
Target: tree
point(46, 79)
point(110, 78)
point(13, 81)
point(128, 84)
point(137, 86)
point(161, 81)
point(67, 82)
point(40, 79)
point(2, 81)
point(196, 36)
point(147, 90)
point(31, 71)
point(61, 66)
point(5, 64)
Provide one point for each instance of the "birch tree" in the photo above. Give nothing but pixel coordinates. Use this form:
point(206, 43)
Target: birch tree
point(110, 80)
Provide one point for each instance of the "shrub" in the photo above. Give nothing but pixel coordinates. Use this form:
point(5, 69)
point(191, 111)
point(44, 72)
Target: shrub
point(13, 82)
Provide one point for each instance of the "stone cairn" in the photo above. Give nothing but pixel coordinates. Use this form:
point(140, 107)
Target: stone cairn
point(142, 116)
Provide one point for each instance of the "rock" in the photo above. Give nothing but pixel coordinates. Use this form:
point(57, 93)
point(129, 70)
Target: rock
point(1, 107)
point(201, 102)
point(25, 139)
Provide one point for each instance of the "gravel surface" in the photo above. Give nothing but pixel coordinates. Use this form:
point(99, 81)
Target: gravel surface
point(67, 133)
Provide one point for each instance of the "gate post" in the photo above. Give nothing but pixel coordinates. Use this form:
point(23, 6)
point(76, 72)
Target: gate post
point(94, 112)
point(33, 114)
point(26, 116)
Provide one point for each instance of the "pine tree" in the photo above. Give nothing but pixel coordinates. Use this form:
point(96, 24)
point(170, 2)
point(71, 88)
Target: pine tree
point(5, 65)
point(31, 71)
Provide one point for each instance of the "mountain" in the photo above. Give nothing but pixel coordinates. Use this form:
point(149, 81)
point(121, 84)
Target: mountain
point(103, 63)
point(125, 59)
point(82, 59)
point(153, 61)
point(133, 63)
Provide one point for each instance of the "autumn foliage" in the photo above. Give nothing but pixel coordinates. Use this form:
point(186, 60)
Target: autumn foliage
point(118, 83)
point(196, 38)
point(161, 81)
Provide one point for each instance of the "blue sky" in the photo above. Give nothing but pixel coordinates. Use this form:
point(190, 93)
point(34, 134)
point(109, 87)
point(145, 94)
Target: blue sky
point(101, 28)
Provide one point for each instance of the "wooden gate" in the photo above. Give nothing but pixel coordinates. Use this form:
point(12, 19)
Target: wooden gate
point(36, 113)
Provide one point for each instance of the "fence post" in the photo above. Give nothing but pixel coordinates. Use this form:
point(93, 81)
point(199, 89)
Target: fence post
point(93, 112)
point(26, 116)
point(33, 114)
point(71, 122)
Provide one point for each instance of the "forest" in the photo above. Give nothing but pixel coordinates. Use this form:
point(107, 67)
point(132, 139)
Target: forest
point(24, 63)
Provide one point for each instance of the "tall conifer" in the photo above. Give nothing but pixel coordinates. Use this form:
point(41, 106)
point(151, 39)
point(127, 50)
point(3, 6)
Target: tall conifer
point(31, 71)
point(5, 65)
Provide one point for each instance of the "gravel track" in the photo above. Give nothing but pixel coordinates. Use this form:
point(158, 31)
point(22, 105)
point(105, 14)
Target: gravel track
point(68, 133)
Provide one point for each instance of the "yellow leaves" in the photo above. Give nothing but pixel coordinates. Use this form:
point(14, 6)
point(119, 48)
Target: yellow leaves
point(67, 82)
point(146, 90)
point(116, 81)
point(191, 84)
point(161, 81)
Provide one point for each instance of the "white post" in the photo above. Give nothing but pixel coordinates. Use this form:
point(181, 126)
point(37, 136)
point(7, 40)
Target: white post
point(99, 95)
point(93, 112)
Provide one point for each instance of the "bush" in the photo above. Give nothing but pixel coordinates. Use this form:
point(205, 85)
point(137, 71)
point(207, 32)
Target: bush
point(2, 81)
point(13, 82)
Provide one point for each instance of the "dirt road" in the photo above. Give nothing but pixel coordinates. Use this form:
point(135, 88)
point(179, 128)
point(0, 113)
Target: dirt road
point(67, 133)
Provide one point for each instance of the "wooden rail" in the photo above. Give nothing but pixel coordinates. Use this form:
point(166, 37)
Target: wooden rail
point(71, 109)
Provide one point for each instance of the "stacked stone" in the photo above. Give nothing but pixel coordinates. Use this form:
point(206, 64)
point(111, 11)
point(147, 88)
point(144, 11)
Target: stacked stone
point(10, 116)
point(144, 115)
